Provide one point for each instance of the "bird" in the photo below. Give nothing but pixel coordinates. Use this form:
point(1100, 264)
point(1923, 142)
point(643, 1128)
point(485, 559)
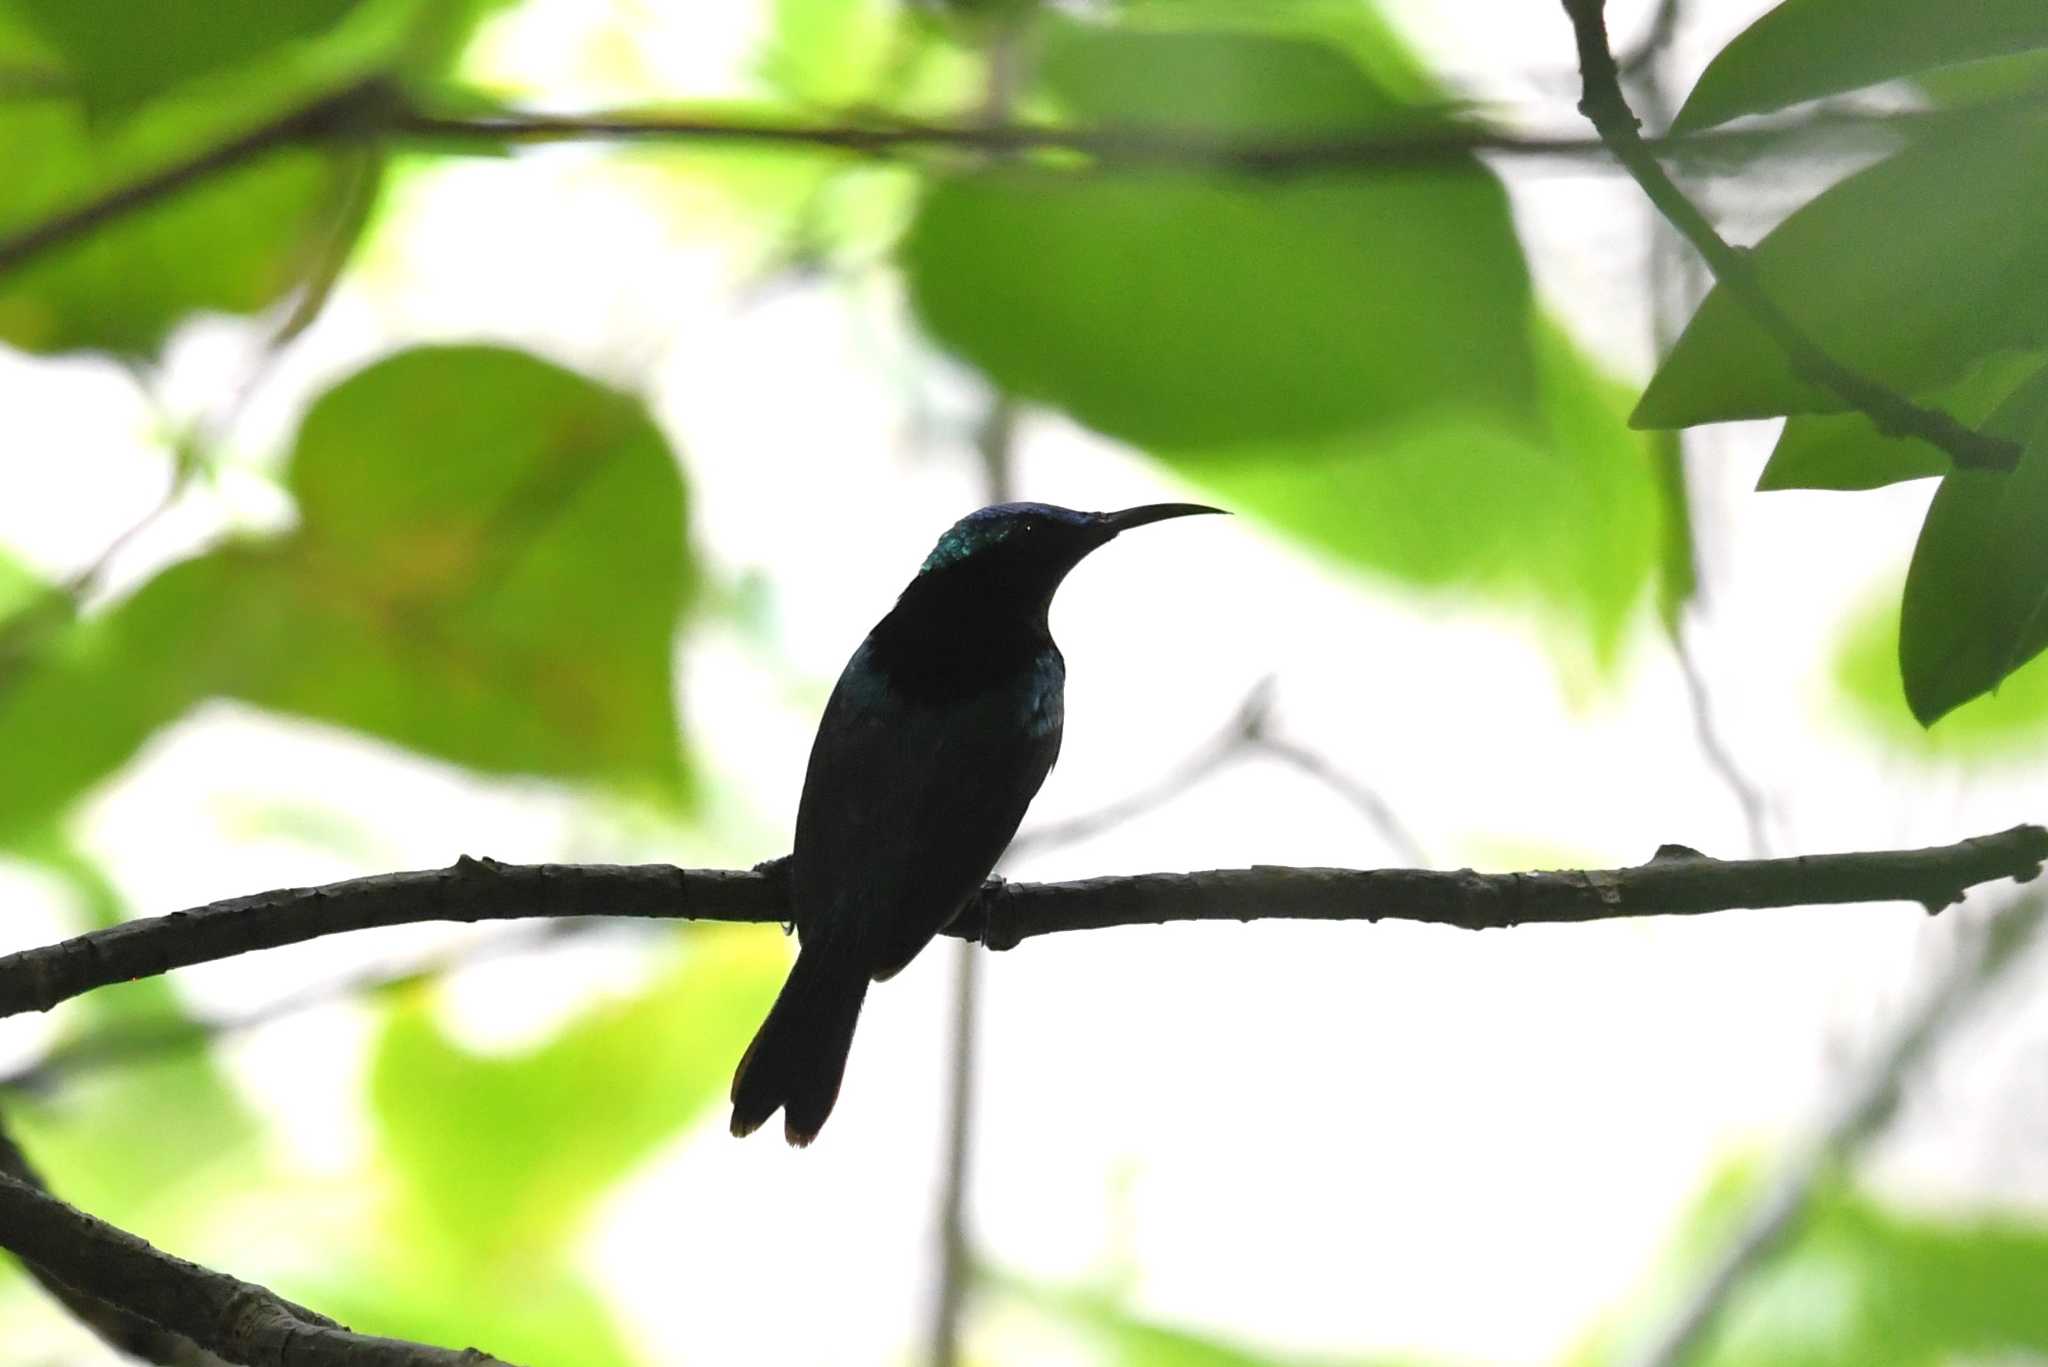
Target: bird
point(934, 741)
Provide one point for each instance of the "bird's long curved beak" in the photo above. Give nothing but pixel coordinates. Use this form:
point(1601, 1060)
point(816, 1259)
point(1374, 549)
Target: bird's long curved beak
point(1123, 521)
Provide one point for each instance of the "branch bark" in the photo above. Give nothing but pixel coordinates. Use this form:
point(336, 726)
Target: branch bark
point(235, 1320)
point(1677, 882)
point(1894, 414)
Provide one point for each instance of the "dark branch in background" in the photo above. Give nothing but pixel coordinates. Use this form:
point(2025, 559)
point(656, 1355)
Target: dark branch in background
point(1677, 883)
point(235, 1320)
point(345, 113)
point(1893, 413)
point(119, 1329)
point(1983, 953)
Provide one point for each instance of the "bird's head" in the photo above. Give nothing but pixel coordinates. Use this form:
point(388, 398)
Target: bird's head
point(1021, 551)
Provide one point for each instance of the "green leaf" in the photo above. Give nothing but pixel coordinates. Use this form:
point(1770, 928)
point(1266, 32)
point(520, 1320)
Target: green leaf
point(1569, 517)
point(1846, 451)
point(1192, 311)
point(535, 1312)
point(500, 1157)
point(122, 53)
point(2009, 726)
point(1976, 602)
point(490, 567)
point(1804, 49)
point(141, 1136)
point(1128, 1338)
point(1910, 271)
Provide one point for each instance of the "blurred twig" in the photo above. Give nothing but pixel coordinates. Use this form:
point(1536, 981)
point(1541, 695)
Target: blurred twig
point(1674, 286)
point(995, 442)
point(1983, 951)
point(1006, 914)
point(1894, 414)
point(117, 1045)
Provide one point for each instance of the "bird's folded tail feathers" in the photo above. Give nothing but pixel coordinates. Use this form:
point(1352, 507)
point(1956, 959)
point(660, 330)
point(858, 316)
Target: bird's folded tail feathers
point(799, 1054)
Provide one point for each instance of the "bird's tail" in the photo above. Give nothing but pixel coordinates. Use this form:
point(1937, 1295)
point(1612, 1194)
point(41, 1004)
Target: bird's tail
point(799, 1054)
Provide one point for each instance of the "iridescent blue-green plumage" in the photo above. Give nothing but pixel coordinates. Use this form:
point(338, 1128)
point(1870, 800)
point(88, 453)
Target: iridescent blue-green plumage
point(935, 739)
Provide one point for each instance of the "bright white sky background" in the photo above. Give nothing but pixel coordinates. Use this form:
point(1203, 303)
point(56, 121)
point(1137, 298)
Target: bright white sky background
point(1337, 1138)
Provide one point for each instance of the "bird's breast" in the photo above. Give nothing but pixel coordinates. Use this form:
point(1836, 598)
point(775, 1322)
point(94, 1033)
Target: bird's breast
point(1045, 695)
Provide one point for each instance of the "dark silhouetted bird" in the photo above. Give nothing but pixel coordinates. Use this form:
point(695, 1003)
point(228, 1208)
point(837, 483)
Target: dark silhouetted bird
point(935, 739)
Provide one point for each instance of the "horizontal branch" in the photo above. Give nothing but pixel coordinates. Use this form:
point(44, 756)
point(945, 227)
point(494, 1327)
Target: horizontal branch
point(374, 110)
point(1894, 414)
point(237, 1320)
point(1677, 882)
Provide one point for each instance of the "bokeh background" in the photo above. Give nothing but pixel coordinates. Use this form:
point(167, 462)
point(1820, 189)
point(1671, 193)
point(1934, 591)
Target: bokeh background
point(390, 502)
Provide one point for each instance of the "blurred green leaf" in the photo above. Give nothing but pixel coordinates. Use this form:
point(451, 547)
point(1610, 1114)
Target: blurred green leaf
point(490, 568)
point(2009, 725)
point(499, 1157)
point(534, 1312)
point(139, 1138)
point(1976, 602)
point(1134, 1341)
point(832, 52)
point(1569, 517)
point(236, 243)
point(1804, 49)
point(122, 53)
point(1910, 271)
point(1859, 1284)
point(1193, 311)
point(1846, 451)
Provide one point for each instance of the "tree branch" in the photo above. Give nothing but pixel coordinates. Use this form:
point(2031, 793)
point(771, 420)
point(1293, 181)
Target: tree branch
point(116, 1327)
point(1894, 414)
point(1676, 883)
point(236, 1320)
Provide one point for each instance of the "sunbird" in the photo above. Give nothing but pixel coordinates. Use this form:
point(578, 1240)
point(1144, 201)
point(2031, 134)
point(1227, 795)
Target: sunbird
point(935, 739)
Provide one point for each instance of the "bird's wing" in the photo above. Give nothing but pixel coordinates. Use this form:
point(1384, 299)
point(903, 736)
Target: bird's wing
point(907, 806)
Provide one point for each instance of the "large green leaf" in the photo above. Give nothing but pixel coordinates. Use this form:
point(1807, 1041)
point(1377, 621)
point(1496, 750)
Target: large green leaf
point(489, 567)
point(121, 53)
point(1976, 602)
point(1569, 516)
point(2009, 726)
point(1180, 310)
point(1911, 271)
point(499, 1157)
point(1846, 451)
point(1804, 49)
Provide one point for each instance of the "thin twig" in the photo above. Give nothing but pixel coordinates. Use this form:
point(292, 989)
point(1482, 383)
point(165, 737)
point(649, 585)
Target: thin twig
point(134, 1043)
point(1245, 730)
point(1893, 413)
point(1006, 914)
point(1375, 809)
point(1983, 953)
